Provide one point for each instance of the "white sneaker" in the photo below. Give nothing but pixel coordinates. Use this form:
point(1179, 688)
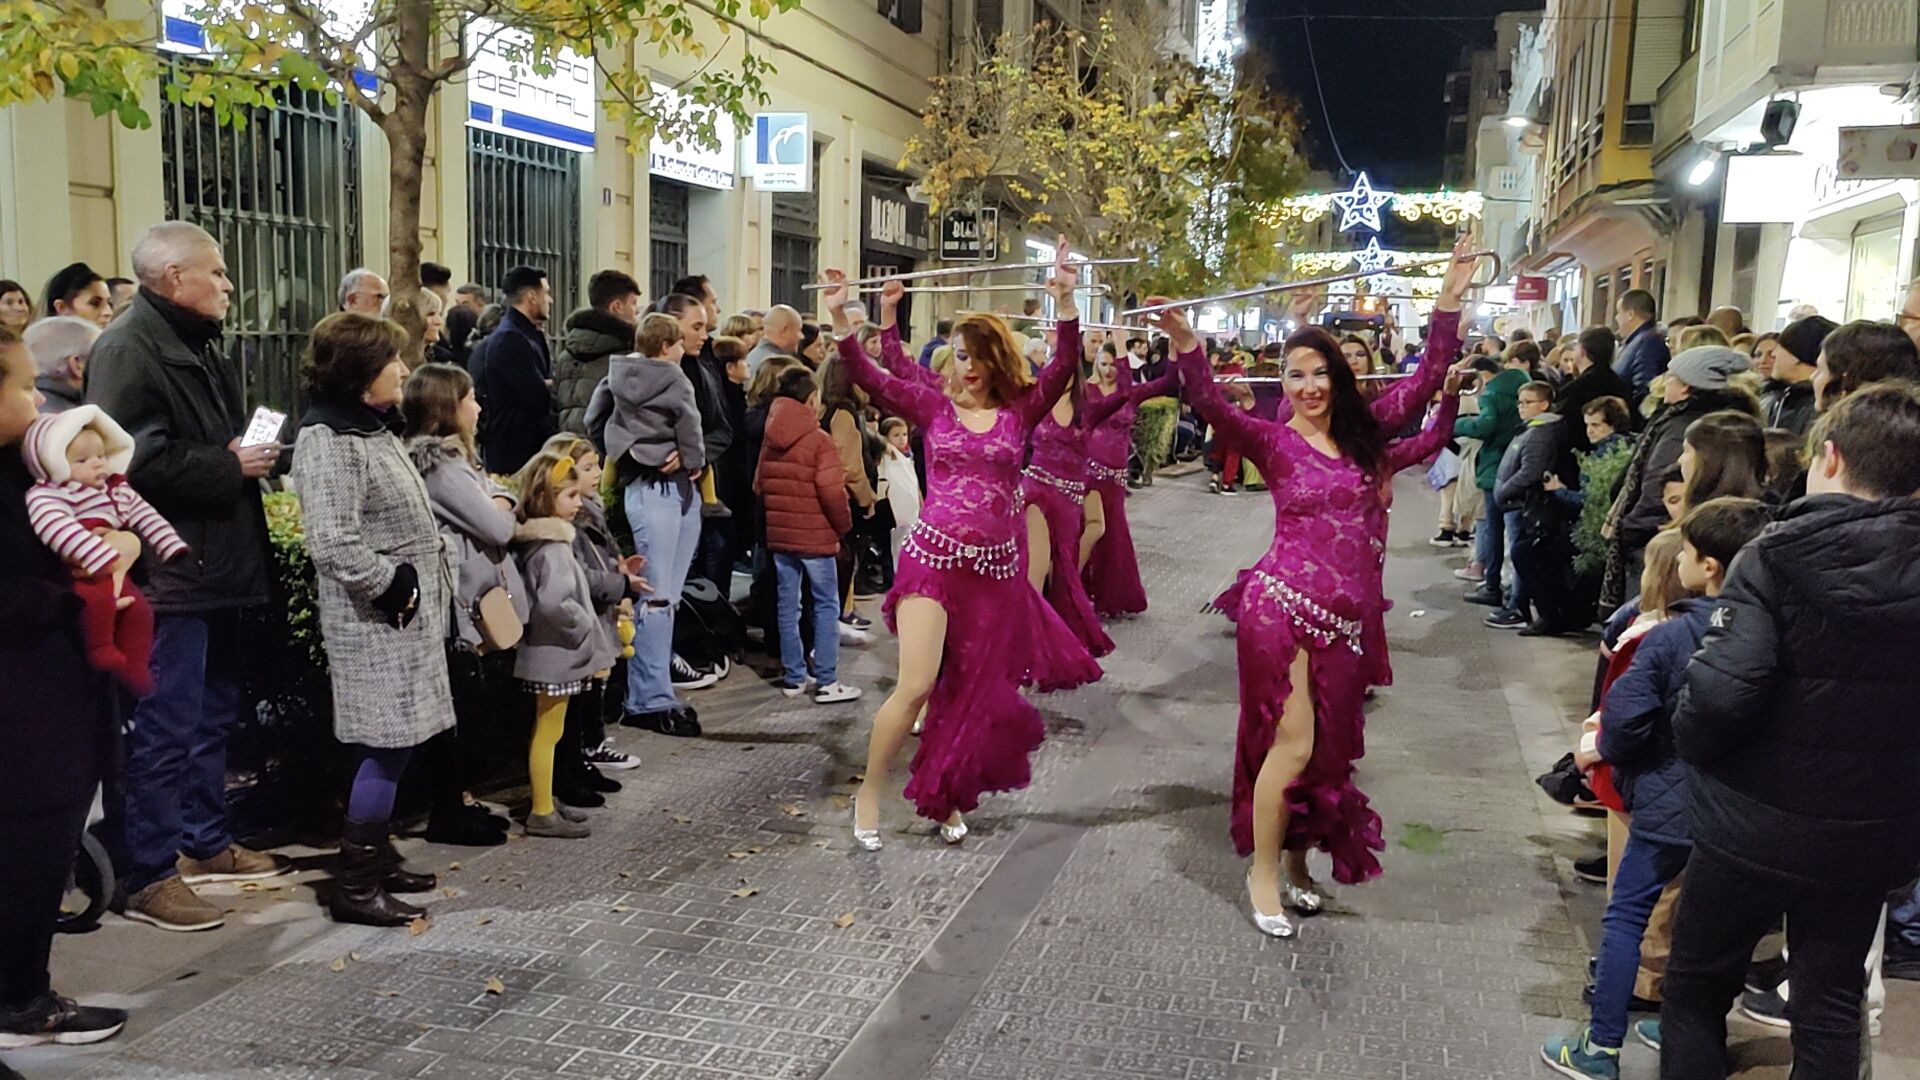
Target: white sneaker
point(688, 677)
point(723, 669)
point(834, 693)
point(805, 687)
point(853, 635)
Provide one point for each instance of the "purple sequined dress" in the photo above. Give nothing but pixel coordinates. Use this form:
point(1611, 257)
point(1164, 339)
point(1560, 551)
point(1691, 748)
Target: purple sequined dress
point(1317, 588)
point(964, 554)
point(1112, 573)
point(1056, 483)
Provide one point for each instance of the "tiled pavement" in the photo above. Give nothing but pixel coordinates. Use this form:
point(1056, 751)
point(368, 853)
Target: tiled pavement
point(719, 925)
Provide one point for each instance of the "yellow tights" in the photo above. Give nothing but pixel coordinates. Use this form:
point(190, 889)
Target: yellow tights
point(549, 720)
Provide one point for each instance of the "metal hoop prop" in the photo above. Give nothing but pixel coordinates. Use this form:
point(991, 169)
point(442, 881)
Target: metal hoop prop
point(964, 271)
point(1094, 290)
point(1048, 324)
point(1309, 283)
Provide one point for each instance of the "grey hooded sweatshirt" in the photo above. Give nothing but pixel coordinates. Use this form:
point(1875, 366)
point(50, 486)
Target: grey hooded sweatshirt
point(646, 408)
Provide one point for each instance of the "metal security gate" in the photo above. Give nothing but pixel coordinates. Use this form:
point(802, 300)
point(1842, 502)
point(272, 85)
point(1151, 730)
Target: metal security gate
point(525, 211)
point(282, 195)
point(796, 242)
point(667, 217)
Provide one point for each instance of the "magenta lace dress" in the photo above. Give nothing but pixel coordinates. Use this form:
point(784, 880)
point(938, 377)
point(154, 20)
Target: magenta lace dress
point(1056, 482)
point(964, 554)
point(1316, 589)
point(1401, 454)
point(1112, 574)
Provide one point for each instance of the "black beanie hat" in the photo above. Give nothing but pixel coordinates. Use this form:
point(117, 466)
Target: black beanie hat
point(1803, 337)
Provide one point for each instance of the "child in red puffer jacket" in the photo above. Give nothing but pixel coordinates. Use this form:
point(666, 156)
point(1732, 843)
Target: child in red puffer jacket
point(803, 491)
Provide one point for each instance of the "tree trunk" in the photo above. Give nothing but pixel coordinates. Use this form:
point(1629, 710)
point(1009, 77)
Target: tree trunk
point(405, 126)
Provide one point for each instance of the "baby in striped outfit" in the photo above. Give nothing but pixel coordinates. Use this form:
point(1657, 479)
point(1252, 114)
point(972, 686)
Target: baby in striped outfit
point(83, 508)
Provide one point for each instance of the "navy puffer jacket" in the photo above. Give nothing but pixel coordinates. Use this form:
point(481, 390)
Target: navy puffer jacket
point(1636, 729)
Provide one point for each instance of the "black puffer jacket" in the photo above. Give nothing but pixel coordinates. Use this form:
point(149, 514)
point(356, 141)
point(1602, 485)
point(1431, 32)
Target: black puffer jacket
point(592, 336)
point(1799, 712)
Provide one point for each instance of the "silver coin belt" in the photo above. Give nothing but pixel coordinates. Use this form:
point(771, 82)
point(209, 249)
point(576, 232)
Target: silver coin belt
point(1072, 489)
point(1107, 473)
point(939, 551)
point(1310, 618)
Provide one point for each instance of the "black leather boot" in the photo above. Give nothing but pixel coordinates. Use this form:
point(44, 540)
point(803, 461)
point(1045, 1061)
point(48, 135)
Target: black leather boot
point(358, 895)
point(397, 878)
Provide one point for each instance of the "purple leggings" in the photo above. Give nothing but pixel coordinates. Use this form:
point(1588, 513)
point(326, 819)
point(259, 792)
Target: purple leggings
point(375, 783)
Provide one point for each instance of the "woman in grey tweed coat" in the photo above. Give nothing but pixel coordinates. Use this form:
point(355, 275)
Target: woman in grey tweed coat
point(384, 594)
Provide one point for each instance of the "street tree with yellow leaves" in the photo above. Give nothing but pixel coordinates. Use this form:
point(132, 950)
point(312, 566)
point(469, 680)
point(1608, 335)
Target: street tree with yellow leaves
point(1108, 137)
point(387, 58)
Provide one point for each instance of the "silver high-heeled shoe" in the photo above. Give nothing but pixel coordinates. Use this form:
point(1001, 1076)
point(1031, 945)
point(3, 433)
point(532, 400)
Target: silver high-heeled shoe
point(868, 839)
point(953, 834)
point(1305, 899)
point(1271, 925)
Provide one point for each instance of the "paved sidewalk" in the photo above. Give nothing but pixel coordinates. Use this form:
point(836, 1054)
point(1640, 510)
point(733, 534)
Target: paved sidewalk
point(720, 925)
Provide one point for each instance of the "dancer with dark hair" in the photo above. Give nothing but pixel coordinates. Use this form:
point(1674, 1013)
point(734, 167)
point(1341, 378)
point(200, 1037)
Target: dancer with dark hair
point(1302, 617)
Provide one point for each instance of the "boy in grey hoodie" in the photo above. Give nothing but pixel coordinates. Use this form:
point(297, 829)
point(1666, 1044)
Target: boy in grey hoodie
point(644, 410)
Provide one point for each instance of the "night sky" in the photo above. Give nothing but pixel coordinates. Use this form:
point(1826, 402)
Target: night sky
point(1383, 77)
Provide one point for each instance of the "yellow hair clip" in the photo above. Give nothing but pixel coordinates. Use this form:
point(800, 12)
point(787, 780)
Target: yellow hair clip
point(562, 469)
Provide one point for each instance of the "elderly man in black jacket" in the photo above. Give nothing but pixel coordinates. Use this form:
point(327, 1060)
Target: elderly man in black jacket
point(159, 370)
point(513, 374)
point(1798, 718)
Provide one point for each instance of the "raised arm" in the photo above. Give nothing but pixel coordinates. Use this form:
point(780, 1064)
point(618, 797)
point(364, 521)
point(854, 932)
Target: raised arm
point(1238, 426)
point(1057, 375)
point(894, 355)
point(1408, 396)
point(918, 403)
point(1417, 448)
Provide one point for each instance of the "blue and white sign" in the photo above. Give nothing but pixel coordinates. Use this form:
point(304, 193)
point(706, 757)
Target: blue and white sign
point(782, 152)
point(505, 94)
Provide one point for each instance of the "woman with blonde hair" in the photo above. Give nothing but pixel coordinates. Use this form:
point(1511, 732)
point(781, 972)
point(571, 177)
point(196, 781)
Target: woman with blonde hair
point(961, 655)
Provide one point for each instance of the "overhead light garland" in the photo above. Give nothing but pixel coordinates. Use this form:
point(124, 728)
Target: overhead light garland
point(1370, 258)
point(1360, 206)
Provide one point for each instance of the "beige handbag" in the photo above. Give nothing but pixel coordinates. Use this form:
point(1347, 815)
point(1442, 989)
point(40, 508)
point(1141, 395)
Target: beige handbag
point(493, 616)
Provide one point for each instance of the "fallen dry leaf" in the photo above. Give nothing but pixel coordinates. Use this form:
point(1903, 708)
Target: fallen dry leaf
point(337, 965)
point(683, 819)
point(495, 986)
point(355, 957)
point(249, 886)
point(626, 873)
point(841, 802)
point(386, 993)
point(742, 894)
point(420, 925)
point(449, 892)
point(738, 854)
point(792, 810)
point(843, 921)
point(621, 909)
point(856, 778)
point(483, 920)
point(822, 843)
point(453, 867)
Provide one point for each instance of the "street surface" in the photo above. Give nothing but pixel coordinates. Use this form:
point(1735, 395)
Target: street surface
point(719, 924)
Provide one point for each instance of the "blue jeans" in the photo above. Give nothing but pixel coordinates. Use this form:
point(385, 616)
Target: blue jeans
point(822, 580)
point(1903, 918)
point(1646, 866)
point(666, 529)
point(1517, 598)
point(1490, 543)
point(174, 784)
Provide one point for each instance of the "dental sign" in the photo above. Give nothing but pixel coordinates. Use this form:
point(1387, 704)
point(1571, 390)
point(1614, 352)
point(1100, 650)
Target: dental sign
point(688, 161)
point(505, 93)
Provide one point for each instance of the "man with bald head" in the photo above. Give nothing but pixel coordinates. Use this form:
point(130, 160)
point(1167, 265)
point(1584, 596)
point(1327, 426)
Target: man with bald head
point(780, 336)
point(161, 370)
point(363, 291)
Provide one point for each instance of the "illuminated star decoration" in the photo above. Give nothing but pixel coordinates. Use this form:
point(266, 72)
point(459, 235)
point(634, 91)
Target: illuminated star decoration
point(1360, 206)
point(1371, 259)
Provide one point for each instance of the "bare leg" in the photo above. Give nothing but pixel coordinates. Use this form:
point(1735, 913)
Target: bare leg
point(1292, 747)
point(1039, 549)
point(922, 627)
point(1094, 527)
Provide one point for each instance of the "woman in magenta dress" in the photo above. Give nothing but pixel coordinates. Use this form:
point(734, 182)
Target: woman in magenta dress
point(960, 575)
point(1109, 568)
point(1301, 617)
point(1054, 488)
